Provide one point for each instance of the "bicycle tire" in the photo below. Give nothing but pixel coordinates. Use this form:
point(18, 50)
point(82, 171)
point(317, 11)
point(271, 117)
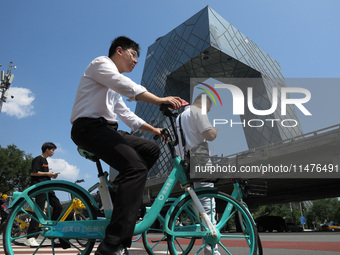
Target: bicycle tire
point(249, 237)
point(154, 244)
point(65, 190)
point(151, 243)
point(259, 244)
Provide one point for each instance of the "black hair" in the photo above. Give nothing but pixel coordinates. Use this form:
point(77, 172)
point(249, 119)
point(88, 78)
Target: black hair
point(48, 146)
point(125, 43)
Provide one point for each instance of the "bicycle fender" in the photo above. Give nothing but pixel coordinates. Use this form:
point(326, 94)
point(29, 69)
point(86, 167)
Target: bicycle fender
point(24, 194)
point(179, 199)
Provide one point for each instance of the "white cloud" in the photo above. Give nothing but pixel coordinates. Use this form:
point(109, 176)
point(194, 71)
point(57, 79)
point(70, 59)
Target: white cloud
point(21, 105)
point(60, 149)
point(67, 171)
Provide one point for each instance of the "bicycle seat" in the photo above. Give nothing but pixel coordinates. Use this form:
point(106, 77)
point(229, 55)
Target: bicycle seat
point(87, 154)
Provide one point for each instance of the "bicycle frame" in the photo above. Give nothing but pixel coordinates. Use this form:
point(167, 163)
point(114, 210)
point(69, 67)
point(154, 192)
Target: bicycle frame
point(46, 224)
point(23, 224)
point(176, 174)
point(75, 205)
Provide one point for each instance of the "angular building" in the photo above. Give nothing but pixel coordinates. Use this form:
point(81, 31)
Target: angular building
point(204, 46)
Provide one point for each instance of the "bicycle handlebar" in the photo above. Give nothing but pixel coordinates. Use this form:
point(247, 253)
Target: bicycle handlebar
point(165, 132)
point(173, 141)
point(165, 108)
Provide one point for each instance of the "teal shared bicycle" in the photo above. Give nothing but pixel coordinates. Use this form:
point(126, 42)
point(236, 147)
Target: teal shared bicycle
point(189, 227)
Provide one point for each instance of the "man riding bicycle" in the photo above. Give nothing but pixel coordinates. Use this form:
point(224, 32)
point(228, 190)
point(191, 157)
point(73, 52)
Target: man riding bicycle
point(97, 106)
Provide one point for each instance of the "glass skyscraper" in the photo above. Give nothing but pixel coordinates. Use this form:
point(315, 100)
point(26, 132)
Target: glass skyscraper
point(204, 46)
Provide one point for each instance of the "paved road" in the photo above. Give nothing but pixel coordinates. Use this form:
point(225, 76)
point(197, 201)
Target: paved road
point(301, 243)
point(306, 243)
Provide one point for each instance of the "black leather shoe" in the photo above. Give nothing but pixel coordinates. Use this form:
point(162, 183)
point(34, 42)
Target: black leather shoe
point(107, 249)
point(63, 244)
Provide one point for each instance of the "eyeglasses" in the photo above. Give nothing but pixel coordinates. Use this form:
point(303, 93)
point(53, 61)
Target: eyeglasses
point(133, 53)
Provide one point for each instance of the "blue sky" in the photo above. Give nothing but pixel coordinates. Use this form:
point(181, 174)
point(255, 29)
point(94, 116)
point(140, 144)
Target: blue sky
point(52, 42)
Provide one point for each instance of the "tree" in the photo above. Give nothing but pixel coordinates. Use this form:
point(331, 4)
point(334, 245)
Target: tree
point(15, 168)
point(316, 212)
point(289, 211)
point(337, 214)
point(324, 210)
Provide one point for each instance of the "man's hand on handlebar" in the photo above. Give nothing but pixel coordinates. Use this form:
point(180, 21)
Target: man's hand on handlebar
point(175, 102)
point(165, 103)
point(158, 133)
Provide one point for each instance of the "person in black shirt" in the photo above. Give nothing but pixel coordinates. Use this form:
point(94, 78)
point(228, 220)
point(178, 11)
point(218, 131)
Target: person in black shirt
point(39, 173)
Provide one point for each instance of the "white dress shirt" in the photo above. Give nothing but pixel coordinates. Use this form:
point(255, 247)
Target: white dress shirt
point(193, 126)
point(99, 94)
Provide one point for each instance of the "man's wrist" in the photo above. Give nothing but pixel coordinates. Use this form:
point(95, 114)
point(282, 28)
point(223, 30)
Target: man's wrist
point(160, 100)
point(149, 98)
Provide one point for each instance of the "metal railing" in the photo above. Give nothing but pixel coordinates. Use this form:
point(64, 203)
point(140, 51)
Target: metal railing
point(289, 140)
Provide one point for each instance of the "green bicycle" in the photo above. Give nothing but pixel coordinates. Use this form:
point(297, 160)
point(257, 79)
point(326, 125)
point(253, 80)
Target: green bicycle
point(186, 221)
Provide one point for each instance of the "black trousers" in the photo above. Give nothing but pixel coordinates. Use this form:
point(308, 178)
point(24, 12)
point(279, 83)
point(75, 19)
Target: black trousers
point(132, 157)
point(40, 200)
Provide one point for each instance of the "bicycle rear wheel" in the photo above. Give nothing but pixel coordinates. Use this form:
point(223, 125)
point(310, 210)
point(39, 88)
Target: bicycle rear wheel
point(155, 239)
point(48, 245)
point(227, 209)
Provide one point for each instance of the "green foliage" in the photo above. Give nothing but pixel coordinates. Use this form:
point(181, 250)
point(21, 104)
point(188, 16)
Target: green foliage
point(15, 168)
point(319, 212)
point(290, 211)
point(337, 214)
point(324, 210)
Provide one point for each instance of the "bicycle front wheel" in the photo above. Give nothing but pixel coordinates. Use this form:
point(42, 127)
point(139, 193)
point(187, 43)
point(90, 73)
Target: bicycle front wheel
point(155, 238)
point(46, 244)
point(223, 211)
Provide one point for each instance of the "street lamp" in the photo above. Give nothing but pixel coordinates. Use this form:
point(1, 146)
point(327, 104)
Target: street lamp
point(6, 81)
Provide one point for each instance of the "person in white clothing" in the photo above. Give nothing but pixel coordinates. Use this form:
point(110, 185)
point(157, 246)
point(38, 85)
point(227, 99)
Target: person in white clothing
point(97, 107)
point(197, 128)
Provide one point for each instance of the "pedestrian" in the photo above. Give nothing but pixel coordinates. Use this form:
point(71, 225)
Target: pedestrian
point(40, 173)
point(97, 107)
point(194, 128)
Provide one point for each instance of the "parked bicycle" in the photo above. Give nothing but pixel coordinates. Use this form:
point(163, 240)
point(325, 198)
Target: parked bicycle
point(19, 225)
point(185, 221)
point(3, 211)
